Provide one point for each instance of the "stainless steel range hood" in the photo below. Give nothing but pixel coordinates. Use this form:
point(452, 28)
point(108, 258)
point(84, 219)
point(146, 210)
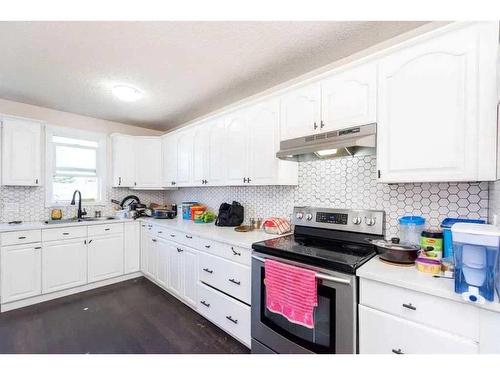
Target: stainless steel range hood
point(360, 140)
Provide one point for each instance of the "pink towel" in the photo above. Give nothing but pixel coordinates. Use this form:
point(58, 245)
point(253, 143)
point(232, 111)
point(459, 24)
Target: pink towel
point(291, 291)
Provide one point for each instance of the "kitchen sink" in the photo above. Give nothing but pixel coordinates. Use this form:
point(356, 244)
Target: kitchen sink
point(75, 220)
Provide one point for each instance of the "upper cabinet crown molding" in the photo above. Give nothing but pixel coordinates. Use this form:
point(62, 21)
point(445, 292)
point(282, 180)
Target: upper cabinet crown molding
point(21, 151)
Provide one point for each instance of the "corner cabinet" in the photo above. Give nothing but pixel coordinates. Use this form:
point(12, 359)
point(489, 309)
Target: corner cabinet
point(437, 103)
point(21, 151)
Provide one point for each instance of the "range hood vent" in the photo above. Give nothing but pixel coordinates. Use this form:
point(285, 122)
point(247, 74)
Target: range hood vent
point(357, 141)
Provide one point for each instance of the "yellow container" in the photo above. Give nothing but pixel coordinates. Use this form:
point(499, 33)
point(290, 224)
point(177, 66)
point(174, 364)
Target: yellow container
point(427, 265)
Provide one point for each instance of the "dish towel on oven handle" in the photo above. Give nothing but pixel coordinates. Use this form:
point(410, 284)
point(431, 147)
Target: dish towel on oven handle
point(291, 292)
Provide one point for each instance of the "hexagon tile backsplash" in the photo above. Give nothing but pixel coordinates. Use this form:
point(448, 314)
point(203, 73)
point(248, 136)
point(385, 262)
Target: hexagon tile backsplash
point(349, 183)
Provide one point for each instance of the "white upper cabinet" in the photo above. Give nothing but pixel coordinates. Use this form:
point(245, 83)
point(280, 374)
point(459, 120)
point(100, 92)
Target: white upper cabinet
point(301, 111)
point(237, 147)
point(185, 144)
point(21, 151)
point(169, 144)
point(149, 162)
point(201, 152)
point(437, 108)
point(349, 98)
point(123, 148)
point(216, 152)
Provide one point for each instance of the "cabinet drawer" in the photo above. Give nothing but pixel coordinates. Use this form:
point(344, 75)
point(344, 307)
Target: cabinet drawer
point(234, 253)
point(423, 308)
point(103, 229)
point(20, 237)
point(55, 234)
point(229, 277)
point(381, 333)
point(185, 239)
point(229, 314)
point(168, 234)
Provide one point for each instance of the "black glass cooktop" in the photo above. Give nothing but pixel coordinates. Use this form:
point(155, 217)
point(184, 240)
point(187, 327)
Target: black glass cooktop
point(336, 255)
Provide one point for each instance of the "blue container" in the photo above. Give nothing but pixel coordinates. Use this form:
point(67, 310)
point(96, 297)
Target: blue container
point(186, 209)
point(476, 248)
point(447, 238)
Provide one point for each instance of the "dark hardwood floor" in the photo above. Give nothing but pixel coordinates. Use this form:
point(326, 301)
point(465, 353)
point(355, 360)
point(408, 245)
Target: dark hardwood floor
point(134, 316)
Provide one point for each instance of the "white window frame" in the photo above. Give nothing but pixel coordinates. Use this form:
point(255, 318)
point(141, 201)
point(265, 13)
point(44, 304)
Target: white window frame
point(100, 138)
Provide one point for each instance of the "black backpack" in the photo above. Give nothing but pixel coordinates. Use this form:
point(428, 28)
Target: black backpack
point(230, 215)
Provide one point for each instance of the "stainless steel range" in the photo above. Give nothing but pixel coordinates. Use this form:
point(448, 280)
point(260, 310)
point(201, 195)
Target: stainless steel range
point(334, 244)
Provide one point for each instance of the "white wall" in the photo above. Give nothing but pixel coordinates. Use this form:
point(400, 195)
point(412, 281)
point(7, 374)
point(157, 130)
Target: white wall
point(70, 120)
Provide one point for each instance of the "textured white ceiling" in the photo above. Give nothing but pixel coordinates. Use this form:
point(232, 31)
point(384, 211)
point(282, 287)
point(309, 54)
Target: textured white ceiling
point(186, 69)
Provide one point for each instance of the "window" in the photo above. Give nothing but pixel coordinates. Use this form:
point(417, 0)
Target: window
point(76, 160)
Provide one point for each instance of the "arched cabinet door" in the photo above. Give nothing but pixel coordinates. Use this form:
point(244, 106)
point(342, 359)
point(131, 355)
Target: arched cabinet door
point(349, 98)
point(436, 109)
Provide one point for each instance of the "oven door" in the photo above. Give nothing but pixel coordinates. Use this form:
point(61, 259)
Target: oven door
point(335, 322)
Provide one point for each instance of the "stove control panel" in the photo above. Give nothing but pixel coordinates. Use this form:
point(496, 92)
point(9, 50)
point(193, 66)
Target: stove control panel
point(361, 221)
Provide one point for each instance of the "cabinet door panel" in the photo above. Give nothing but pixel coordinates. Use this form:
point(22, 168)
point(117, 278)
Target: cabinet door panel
point(237, 133)
point(64, 265)
point(132, 247)
point(21, 152)
point(264, 142)
point(381, 333)
point(163, 262)
point(428, 114)
point(148, 168)
point(190, 275)
point(349, 98)
point(20, 272)
point(185, 158)
point(201, 152)
point(216, 155)
point(169, 143)
point(300, 111)
point(176, 270)
point(105, 257)
point(124, 154)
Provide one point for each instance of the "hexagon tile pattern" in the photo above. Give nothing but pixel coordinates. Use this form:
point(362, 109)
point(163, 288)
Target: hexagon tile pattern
point(349, 183)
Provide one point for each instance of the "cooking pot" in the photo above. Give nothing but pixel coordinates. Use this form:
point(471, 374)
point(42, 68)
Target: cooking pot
point(161, 213)
point(395, 252)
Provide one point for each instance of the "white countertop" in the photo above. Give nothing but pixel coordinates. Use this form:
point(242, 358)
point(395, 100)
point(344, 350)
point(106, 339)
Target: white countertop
point(213, 232)
point(205, 230)
point(32, 225)
point(410, 278)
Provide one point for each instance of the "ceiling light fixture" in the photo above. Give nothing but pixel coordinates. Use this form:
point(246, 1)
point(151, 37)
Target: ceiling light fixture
point(127, 93)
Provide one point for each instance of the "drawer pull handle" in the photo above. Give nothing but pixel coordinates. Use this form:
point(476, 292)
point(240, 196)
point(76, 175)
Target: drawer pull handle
point(65, 233)
point(172, 235)
point(90, 241)
point(21, 238)
point(143, 225)
point(235, 281)
point(38, 248)
point(189, 236)
point(235, 252)
point(153, 239)
point(205, 304)
point(409, 306)
point(230, 318)
point(160, 232)
point(208, 270)
point(179, 250)
point(397, 351)
point(207, 246)
point(106, 229)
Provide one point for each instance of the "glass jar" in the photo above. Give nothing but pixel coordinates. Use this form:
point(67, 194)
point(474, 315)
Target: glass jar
point(410, 228)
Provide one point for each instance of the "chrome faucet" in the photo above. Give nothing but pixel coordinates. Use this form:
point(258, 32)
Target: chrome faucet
point(81, 213)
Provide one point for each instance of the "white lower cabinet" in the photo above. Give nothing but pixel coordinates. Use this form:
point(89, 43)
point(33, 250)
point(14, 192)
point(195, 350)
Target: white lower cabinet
point(226, 312)
point(132, 247)
point(64, 265)
point(163, 272)
point(190, 276)
point(105, 257)
point(175, 269)
point(381, 333)
point(20, 271)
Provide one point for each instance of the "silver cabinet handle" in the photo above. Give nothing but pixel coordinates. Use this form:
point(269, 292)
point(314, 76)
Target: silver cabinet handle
point(119, 180)
point(409, 306)
point(205, 304)
point(397, 351)
point(230, 318)
point(315, 126)
point(235, 252)
point(208, 270)
point(235, 281)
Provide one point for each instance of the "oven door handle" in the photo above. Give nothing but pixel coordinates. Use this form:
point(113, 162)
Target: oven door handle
point(320, 276)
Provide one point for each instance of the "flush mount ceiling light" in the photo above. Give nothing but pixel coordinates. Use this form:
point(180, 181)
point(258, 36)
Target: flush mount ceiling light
point(127, 93)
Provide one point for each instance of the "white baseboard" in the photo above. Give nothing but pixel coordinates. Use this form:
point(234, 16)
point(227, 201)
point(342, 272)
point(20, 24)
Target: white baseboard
point(63, 293)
